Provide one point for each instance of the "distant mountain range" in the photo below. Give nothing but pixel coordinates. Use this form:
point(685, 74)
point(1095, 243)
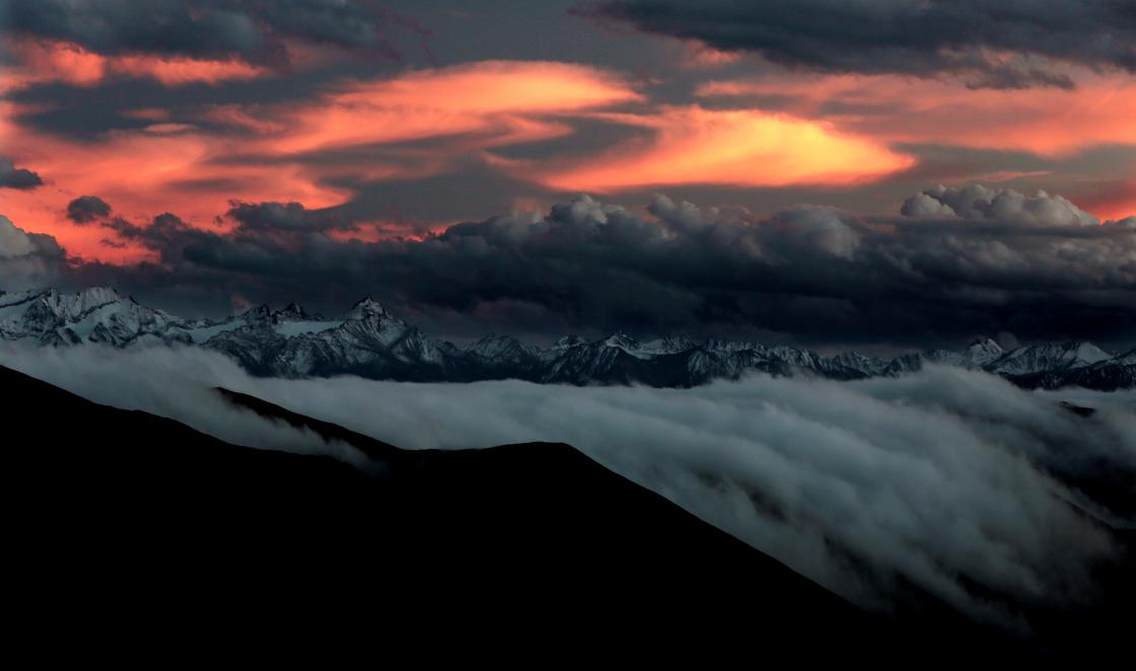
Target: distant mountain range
point(371, 342)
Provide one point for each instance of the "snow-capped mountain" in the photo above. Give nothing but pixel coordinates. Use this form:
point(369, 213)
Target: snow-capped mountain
point(96, 315)
point(367, 341)
point(1049, 357)
point(979, 354)
point(1107, 374)
point(370, 341)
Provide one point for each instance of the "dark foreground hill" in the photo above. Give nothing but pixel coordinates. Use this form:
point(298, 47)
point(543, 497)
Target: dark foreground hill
point(130, 522)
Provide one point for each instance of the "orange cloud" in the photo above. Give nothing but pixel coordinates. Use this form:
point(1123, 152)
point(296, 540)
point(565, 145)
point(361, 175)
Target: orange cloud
point(692, 145)
point(141, 174)
point(194, 173)
point(45, 61)
point(699, 56)
point(179, 71)
point(52, 61)
point(895, 109)
point(1111, 201)
point(502, 98)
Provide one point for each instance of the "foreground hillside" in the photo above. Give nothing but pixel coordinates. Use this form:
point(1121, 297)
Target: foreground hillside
point(535, 539)
point(147, 513)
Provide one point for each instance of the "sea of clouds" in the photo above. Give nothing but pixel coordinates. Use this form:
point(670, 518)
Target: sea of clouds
point(953, 481)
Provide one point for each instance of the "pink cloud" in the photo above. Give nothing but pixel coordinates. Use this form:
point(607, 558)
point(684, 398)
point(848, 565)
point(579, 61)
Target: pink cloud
point(45, 61)
point(693, 145)
point(896, 109)
point(194, 173)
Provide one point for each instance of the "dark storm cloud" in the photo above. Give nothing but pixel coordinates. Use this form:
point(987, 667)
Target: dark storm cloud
point(965, 261)
point(285, 217)
point(85, 209)
point(993, 43)
point(471, 189)
point(248, 29)
point(55, 107)
point(12, 177)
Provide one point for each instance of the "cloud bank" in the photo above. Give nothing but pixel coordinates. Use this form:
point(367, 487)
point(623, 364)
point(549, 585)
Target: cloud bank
point(1007, 45)
point(947, 480)
point(957, 262)
point(216, 29)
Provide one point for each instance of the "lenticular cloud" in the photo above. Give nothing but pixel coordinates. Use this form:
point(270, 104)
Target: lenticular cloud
point(950, 481)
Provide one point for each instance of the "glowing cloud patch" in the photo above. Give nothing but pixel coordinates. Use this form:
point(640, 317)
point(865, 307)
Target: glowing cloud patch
point(700, 56)
point(194, 171)
point(1116, 203)
point(890, 108)
point(180, 71)
point(46, 61)
point(52, 61)
point(142, 173)
point(692, 145)
point(498, 97)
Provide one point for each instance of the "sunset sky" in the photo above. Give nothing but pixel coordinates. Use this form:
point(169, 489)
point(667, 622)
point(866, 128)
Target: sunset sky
point(241, 151)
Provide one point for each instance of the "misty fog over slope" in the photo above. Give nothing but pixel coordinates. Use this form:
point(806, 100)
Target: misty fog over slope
point(983, 495)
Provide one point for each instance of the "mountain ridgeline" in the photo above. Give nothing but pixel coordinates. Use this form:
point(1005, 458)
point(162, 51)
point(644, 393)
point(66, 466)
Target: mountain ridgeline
point(370, 342)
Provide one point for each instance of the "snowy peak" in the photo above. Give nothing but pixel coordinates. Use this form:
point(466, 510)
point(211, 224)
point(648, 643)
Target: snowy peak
point(264, 315)
point(669, 345)
point(256, 315)
point(82, 301)
point(98, 315)
point(71, 306)
point(496, 346)
point(569, 341)
point(1087, 353)
point(983, 350)
point(368, 308)
point(1126, 359)
point(622, 341)
point(296, 312)
point(1033, 359)
point(859, 364)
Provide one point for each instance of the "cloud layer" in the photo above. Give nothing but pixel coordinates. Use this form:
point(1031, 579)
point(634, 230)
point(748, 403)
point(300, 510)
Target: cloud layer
point(694, 145)
point(411, 116)
point(207, 29)
point(992, 44)
point(958, 262)
point(948, 480)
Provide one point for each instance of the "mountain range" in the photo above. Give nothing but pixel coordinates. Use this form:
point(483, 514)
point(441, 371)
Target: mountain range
point(371, 342)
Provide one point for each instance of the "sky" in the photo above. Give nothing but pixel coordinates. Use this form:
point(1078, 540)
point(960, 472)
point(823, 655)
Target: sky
point(822, 171)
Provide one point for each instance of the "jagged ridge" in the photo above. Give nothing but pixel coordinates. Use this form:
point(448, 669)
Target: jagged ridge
point(371, 342)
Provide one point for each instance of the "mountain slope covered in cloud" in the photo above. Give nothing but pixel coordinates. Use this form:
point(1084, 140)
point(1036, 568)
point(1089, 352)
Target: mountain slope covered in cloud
point(1005, 505)
point(163, 521)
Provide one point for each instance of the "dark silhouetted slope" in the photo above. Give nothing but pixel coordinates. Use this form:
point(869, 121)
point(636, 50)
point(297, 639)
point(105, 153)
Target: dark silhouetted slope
point(512, 546)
